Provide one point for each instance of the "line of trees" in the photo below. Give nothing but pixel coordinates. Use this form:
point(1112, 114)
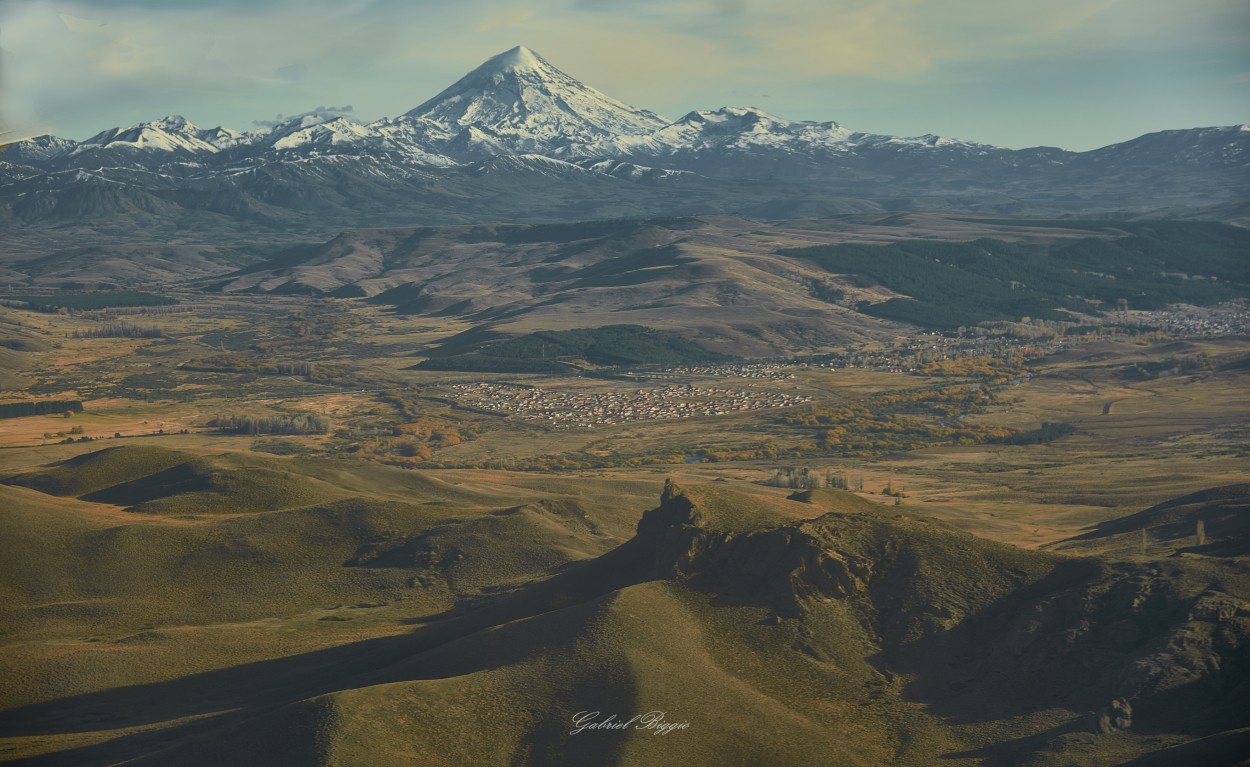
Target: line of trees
point(119, 330)
point(99, 314)
point(45, 407)
point(803, 478)
point(65, 303)
point(298, 423)
point(1047, 432)
point(251, 364)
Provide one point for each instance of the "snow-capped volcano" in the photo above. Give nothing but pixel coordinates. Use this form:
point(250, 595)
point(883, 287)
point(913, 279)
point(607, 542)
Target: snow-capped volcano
point(522, 100)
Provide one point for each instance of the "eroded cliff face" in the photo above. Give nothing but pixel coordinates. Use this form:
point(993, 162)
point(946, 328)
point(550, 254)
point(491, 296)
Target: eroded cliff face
point(908, 575)
point(1155, 645)
point(786, 567)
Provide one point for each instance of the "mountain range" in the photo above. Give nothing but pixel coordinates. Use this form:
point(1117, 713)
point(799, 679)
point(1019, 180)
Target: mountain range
point(517, 139)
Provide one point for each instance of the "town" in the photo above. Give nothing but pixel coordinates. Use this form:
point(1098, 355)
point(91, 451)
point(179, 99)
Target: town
point(586, 410)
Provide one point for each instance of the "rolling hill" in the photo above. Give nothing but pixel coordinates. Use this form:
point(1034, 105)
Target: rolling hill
point(741, 287)
point(818, 629)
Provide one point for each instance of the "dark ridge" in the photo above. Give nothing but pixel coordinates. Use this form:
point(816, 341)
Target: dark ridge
point(553, 351)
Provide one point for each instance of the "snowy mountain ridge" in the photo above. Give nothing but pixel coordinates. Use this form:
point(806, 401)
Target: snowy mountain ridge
point(518, 120)
point(514, 103)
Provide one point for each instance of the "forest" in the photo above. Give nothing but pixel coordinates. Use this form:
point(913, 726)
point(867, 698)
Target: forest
point(950, 284)
point(44, 407)
point(103, 299)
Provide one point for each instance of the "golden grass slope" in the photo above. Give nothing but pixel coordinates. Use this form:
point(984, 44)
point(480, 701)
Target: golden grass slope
point(863, 635)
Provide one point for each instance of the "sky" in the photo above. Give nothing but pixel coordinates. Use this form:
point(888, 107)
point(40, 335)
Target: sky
point(1072, 73)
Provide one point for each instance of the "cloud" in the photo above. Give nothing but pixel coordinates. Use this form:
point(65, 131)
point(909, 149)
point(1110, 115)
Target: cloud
point(505, 20)
point(77, 66)
point(67, 62)
point(291, 72)
point(723, 7)
point(321, 111)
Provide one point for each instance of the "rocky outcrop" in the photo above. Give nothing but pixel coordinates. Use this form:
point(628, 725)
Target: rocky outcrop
point(1117, 716)
point(973, 620)
point(784, 567)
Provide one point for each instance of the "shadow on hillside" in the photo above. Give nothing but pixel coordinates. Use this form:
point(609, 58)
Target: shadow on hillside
point(226, 703)
point(1009, 753)
point(241, 692)
point(1074, 640)
point(986, 668)
point(229, 698)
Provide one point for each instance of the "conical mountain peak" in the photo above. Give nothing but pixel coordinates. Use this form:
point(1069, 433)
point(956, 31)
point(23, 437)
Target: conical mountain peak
point(521, 97)
point(518, 58)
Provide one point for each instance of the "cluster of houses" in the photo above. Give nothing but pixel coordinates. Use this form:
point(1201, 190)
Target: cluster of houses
point(1195, 321)
point(586, 409)
point(765, 371)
